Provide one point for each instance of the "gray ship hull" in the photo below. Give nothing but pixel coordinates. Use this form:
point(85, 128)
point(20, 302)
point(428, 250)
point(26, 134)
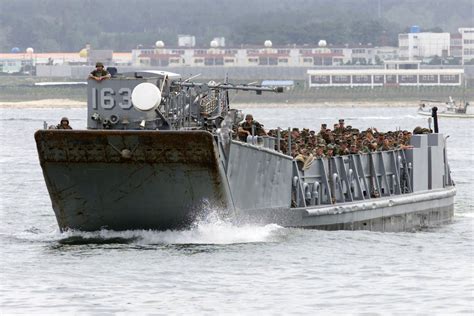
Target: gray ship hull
point(165, 179)
point(130, 179)
point(389, 214)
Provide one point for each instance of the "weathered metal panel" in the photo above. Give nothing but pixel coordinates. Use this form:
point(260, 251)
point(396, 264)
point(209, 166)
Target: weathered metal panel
point(418, 157)
point(259, 178)
point(436, 167)
point(395, 213)
point(130, 179)
point(113, 97)
point(436, 172)
point(316, 176)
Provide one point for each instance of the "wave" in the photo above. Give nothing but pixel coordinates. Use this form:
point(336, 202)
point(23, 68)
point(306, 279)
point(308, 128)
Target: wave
point(206, 232)
point(211, 229)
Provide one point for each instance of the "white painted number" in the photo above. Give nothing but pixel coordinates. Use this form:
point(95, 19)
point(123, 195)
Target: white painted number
point(107, 100)
point(125, 93)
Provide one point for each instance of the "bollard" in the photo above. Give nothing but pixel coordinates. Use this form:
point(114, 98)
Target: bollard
point(434, 114)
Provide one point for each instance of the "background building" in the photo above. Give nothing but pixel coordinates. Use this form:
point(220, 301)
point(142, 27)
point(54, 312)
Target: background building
point(467, 35)
point(394, 74)
point(420, 45)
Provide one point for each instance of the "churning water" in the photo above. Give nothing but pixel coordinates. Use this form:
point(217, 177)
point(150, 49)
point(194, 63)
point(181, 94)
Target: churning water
point(215, 267)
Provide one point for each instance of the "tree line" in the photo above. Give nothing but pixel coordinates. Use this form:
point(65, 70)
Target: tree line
point(121, 25)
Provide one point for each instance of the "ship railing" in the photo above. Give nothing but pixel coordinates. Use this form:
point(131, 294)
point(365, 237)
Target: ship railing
point(262, 141)
point(350, 178)
point(359, 177)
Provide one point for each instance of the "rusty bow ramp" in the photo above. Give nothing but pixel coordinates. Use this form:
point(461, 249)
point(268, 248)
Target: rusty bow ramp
point(130, 179)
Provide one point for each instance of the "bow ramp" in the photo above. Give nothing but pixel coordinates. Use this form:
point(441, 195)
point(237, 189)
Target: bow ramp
point(130, 179)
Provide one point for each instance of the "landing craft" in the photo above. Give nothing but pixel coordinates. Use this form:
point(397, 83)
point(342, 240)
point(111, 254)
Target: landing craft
point(158, 149)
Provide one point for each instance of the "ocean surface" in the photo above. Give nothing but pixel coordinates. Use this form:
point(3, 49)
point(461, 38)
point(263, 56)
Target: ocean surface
point(217, 268)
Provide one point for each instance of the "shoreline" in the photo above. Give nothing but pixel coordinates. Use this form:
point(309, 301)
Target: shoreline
point(69, 103)
point(43, 104)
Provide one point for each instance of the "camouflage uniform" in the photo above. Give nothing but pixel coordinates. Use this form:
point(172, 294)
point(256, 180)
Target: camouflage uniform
point(246, 126)
point(64, 126)
point(99, 72)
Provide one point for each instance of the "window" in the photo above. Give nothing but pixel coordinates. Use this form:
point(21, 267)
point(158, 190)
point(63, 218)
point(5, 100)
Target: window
point(253, 60)
point(341, 79)
point(283, 60)
point(198, 60)
point(307, 60)
point(449, 78)
point(391, 79)
point(228, 60)
point(378, 78)
point(320, 79)
point(407, 79)
point(361, 79)
point(429, 78)
point(272, 61)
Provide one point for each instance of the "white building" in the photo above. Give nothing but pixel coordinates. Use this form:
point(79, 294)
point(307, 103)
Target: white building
point(423, 45)
point(394, 74)
point(467, 34)
point(237, 57)
point(186, 41)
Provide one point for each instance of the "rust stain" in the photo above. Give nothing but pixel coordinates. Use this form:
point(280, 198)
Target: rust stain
point(189, 147)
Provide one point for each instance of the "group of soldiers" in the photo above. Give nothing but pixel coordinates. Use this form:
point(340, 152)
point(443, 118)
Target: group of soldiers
point(340, 140)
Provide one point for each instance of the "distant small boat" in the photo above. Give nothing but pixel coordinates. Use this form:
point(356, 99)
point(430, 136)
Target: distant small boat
point(60, 83)
point(447, 109)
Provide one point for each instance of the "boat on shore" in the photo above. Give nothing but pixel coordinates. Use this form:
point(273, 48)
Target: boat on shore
point(158, 152)
point(447, 109)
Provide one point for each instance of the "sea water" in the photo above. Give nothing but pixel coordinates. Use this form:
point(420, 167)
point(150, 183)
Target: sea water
point(215, 267)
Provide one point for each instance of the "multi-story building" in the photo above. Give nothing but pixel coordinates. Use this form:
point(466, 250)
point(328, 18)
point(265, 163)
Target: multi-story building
point(363, 55)
point(456, 45)
point(423, 45)
point(467, 36)
point(239, 57)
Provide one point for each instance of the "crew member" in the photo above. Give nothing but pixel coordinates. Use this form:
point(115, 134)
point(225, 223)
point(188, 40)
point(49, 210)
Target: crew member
point(64, 124)
point(99, 73)
point(245, 128)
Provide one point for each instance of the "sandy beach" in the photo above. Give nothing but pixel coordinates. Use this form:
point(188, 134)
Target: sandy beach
point(335, 104)
point(68, 103)
point(44, 103)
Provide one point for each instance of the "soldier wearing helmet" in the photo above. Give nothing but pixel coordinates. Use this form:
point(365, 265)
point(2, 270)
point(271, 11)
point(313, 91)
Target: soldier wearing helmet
point(99, 73)
point(248, 126)
point(64, 124)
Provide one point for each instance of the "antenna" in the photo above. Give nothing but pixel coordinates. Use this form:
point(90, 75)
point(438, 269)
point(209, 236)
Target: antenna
point(192, 77)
